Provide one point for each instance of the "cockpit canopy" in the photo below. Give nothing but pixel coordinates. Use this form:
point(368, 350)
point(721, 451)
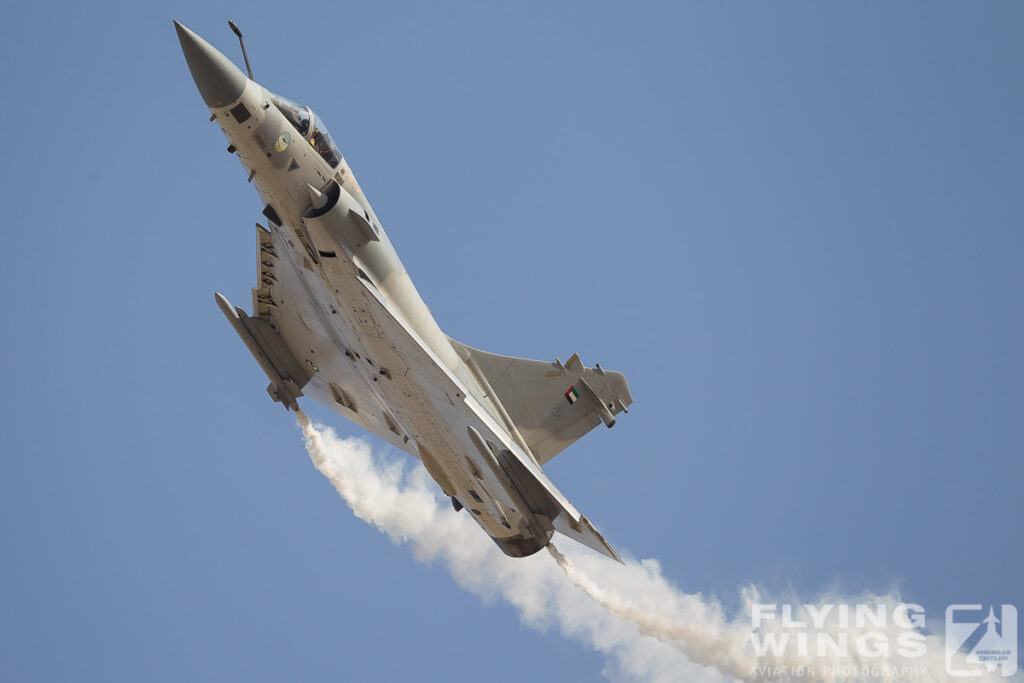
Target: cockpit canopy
point(309, 127)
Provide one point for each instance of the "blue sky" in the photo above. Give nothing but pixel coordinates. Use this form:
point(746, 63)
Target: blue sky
point(795, 227)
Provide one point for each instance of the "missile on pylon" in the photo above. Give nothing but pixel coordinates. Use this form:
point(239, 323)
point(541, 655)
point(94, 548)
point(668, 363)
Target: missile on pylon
point(286, 374)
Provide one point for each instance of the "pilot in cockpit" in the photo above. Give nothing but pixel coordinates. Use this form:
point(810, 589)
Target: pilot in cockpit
point(307, 125)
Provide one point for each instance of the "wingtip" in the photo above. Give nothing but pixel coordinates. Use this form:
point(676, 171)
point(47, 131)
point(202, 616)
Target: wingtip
point(608, 546)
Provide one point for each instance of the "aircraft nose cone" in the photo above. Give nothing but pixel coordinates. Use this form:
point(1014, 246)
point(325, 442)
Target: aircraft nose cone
point(220, 82)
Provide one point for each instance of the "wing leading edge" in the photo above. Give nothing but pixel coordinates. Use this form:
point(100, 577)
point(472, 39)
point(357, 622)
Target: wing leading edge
point(551, 404)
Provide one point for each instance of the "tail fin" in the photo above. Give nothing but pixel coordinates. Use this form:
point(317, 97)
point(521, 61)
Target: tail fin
point(552, 404)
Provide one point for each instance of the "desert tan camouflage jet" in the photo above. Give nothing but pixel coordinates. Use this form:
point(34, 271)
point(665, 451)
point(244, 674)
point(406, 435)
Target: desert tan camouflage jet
point(336, 317)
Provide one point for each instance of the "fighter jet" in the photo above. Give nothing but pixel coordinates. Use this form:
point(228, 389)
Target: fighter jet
point(336, 318)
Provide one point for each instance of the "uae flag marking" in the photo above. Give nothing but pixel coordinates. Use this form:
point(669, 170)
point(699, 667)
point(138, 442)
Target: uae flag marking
point(572, 395)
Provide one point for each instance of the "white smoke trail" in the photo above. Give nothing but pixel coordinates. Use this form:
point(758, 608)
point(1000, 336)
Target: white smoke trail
point(702, 640)
point(647, 628)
